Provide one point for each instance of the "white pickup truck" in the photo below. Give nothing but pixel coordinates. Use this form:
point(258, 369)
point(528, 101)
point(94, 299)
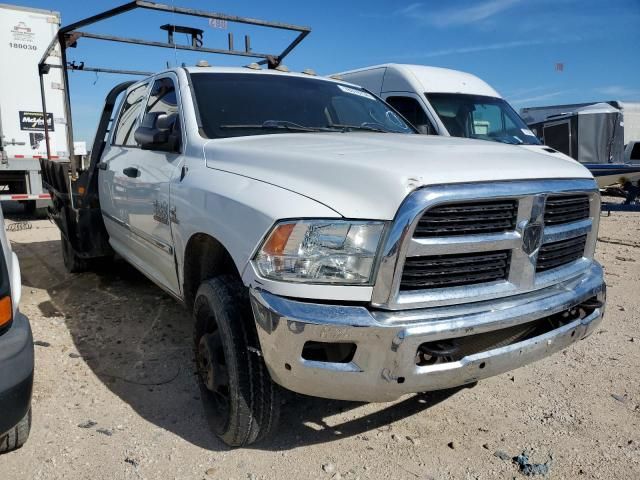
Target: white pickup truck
point(325, 247)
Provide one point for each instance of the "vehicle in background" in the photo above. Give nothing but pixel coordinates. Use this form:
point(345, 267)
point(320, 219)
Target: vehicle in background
point(447, 102)
point(627, 128)
point(603, 136)
point(24, 34)
point(16, 354)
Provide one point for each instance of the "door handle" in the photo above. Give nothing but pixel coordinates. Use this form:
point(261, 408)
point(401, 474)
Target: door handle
point(103, 166)
point(132, 172)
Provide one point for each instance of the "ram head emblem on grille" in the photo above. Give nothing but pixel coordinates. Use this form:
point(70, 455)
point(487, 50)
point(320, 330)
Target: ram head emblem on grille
point(531, 237)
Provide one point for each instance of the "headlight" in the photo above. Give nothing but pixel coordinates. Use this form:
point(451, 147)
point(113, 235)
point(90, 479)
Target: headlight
point(320, 251)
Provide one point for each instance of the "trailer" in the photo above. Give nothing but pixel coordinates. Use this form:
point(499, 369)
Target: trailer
point(629, 113)
point(603, 136)
point(24, 34)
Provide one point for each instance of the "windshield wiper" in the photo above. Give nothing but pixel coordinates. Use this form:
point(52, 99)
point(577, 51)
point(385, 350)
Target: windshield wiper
point(368, 126)
point(508, 140)
point(277, 125)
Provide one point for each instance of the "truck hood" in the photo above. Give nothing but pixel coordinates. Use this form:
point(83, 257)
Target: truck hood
point(368, 175)
point(545, 150)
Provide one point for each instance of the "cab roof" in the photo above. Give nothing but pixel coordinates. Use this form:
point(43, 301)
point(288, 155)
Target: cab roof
point(247, 69)
point(262, 71)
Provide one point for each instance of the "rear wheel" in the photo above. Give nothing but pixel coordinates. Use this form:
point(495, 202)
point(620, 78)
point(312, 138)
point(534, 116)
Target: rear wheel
point(30, 207)
point(17, 436)
point(72, 262)
point(241, 401)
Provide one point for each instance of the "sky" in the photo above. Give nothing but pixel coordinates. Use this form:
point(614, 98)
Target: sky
point(514, 45)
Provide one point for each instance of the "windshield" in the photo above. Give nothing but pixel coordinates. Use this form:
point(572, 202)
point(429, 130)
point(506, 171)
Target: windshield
point(237, 104)
point(477, 116)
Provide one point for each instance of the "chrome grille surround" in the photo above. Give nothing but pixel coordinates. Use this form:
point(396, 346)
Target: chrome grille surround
point(531, 196)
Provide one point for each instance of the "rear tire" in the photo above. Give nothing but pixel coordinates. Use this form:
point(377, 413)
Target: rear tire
point(72, 262)
point(17, 436)
point(30, 207)
point(241, 401)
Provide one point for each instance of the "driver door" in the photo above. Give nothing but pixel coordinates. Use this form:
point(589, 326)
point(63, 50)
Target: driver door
point(120, 155)
point(149, 197)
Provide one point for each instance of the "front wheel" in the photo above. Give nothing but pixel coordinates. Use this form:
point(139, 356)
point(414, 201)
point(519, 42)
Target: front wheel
point(241, 401)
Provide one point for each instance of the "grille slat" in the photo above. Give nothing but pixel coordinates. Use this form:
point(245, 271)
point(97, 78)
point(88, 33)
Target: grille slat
point(471, 218)
point(566, 209)
point(557, 254)
point(432, 272)
point(454, 270)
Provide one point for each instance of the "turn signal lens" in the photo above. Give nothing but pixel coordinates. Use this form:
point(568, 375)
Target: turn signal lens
point(277, 241)
point(6, 311)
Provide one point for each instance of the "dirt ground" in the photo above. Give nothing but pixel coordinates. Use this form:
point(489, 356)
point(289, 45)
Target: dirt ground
point(115, 394)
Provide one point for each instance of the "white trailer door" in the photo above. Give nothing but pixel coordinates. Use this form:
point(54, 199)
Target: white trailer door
point(24, 35)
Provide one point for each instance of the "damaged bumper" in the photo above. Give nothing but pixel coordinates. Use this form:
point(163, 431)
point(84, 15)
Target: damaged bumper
point(373, 355)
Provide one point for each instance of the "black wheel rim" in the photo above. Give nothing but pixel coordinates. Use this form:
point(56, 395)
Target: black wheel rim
point(213, 373)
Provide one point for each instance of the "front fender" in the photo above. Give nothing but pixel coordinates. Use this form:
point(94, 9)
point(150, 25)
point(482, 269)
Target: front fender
point(235, 210)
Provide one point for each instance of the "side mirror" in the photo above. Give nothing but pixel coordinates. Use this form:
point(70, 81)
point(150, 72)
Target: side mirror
point(425, 129)
point(158, 131)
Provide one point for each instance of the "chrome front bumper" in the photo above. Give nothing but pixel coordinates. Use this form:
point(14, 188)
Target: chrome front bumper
point(383, 367)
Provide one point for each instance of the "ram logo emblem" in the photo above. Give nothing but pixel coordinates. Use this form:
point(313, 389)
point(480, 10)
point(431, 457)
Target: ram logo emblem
point(531, 237)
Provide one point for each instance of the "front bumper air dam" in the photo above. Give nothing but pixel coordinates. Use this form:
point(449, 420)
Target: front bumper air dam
point(383, 367)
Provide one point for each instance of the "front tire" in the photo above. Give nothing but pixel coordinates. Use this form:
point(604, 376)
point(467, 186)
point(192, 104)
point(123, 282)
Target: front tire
point(241, 401)
point(17, 436)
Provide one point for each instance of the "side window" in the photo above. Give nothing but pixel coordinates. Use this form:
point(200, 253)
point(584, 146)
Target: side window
point(130, 117)
point(162, 109)
point(162, 98)
point(410, 109)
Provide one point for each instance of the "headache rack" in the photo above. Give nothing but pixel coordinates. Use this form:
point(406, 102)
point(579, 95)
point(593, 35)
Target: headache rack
point(74, 188)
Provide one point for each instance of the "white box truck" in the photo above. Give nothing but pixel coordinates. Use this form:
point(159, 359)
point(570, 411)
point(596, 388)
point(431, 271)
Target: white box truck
point(24, 34)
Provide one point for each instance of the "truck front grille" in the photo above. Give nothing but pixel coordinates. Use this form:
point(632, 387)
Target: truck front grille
point(484, 217)
point(566, 209)
point(467, 243)
point(440, 271)
point(556, 254)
